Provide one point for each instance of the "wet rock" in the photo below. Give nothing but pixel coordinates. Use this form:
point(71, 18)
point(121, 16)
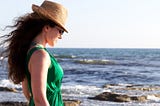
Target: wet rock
point(132, 87)
point(13, 103)
point(142, 87)
point(110, 85)
point(109, 96)
point(72, 102)
point(157, 95)
point(139, 98)
point(125, 93)
point(8, 89)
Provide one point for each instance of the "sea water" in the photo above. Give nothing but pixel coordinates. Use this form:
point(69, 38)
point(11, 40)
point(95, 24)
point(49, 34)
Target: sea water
point(87, 70)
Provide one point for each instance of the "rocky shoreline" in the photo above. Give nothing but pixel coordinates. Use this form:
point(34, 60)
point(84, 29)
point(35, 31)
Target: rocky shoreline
point(116, 93)
point(15, 103)
point(66, 103)
point(114, 97)
point(9, 103)
point(133, 93)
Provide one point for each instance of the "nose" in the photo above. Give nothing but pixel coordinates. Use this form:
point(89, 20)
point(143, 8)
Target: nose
point(60, 37)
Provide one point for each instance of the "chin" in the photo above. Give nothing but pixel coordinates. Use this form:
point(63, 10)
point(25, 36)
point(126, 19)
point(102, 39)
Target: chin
point(52, 45)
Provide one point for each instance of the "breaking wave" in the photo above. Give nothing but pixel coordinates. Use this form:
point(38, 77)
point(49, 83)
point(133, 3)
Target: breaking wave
point(65, 56)
point(92, 61)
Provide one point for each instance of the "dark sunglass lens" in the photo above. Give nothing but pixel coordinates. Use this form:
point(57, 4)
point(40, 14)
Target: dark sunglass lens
point(61, 32)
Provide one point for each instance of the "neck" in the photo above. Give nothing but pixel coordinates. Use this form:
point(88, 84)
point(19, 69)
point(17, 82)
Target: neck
point(35, 44)
point(39, 40)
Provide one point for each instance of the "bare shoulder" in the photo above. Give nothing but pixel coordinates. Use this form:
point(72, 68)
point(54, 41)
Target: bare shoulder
point(39, 58)
point(41, 53)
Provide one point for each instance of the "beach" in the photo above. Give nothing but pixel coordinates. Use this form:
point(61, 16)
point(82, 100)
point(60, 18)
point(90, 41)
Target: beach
point(130, 77)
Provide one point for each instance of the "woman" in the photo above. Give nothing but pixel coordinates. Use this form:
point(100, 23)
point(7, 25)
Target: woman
point(28, 60)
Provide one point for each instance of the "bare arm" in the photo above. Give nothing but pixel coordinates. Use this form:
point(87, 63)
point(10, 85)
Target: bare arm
point(25, 89)
point(38, 66)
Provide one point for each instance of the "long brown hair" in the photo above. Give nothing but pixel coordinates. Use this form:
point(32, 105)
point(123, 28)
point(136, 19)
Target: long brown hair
point(18, 42)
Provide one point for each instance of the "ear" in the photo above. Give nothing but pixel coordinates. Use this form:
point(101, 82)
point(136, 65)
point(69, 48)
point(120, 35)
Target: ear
point(46, 28)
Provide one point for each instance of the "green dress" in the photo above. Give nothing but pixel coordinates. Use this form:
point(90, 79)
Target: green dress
point(54, 79)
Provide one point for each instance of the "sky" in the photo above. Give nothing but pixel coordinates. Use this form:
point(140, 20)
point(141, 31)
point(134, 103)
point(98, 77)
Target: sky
point(99, 23)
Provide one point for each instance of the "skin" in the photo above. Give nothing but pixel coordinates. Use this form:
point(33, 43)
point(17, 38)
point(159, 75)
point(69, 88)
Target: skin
point(39, 64)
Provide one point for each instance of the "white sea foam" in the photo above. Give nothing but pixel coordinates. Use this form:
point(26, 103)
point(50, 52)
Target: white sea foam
point(1, 58)
point(81, 90)
point(95, 61)
point(9, 84)
point(153, 97)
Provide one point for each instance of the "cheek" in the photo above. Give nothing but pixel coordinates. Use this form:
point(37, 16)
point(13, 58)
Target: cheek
point(54, 38)
point(51, 40)
point(50, 37)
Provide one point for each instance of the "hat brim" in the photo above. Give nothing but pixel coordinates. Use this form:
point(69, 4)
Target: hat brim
point(44, 13)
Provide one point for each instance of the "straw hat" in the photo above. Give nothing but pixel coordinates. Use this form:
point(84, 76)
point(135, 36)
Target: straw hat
point(54, 11)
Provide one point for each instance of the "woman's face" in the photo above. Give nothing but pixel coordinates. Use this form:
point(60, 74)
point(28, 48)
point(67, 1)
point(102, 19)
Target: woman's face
point(53, 34)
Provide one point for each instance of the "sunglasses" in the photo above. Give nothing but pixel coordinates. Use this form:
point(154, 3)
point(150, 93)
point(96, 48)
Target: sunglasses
point(61, 31)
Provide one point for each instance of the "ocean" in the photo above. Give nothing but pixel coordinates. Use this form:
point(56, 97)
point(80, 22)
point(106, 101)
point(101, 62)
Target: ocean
point(88, 70)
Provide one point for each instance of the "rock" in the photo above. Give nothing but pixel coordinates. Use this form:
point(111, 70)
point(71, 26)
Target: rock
point(8, 89)
point(110, 85)
point(109, 96)
point(142, 88)
point(139, 98)
point(132, 87)
point(72, 102)
point(13, 103)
